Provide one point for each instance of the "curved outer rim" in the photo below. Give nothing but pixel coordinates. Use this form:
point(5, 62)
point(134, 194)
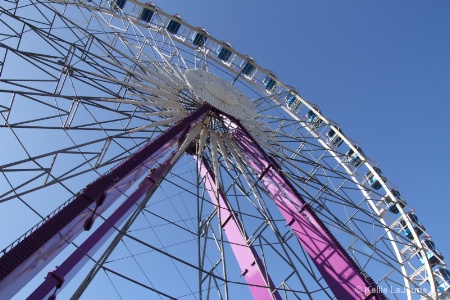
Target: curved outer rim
point(350, 143)
point(369, 164)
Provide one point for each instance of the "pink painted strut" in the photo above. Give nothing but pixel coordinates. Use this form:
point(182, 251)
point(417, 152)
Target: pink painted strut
point(23, 261)
point(253, 269)
point(345, 279)
point(65, 272)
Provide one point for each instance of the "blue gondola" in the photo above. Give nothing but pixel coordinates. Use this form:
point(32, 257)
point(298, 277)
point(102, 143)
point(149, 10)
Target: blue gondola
point(442, 278)
point(434, 256)
point(418, 227)
point(116, 4)
point(372, 180)
point(391, 204)
point(200, 37)
point(333, 138)
point(313, 118)
point(247, 66)
point(291, 99)
point(269, 83)
point(146, 14)
point(173, 26)
point(225, 52)
point(353, 158)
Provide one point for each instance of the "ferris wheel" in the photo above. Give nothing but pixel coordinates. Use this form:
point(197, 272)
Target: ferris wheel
point(149, 159)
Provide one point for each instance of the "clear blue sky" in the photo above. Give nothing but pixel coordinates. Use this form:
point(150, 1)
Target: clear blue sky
point(381, 69)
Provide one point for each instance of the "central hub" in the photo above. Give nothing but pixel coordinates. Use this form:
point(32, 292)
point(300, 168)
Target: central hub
point(221, 94)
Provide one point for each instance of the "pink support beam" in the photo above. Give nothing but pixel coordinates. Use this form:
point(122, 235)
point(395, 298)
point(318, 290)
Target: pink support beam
point(253, 269)
point(23, 261)
point(345, 279)
point(59, 278)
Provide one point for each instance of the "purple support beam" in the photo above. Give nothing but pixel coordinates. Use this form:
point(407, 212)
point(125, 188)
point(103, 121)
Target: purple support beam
point(253, 269)
point(58, 278)
point(23, 261)
point(345, 279)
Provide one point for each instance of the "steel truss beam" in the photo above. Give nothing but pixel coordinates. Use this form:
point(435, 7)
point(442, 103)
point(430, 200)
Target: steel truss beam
point(253, 269)
point(343, 276)
point(26, 258)
point(58, 278)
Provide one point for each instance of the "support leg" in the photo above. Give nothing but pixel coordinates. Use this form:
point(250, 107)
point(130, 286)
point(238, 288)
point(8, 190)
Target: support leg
point(345, 279)
point(253, 269)
point(23, 261)
point(81, 255)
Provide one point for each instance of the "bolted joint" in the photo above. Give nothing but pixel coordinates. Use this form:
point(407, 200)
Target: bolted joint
point(57, 278)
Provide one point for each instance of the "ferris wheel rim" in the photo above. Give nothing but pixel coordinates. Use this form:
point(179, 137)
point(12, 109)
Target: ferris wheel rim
point(326, 121)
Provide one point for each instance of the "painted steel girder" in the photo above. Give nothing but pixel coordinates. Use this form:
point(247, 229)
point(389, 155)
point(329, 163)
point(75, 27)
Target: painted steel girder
point(345, 279)
point(59, 277)
point(31, 254)
point(253, 269)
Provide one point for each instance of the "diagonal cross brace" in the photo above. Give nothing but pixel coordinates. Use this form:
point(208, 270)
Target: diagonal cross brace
point(253, 269)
